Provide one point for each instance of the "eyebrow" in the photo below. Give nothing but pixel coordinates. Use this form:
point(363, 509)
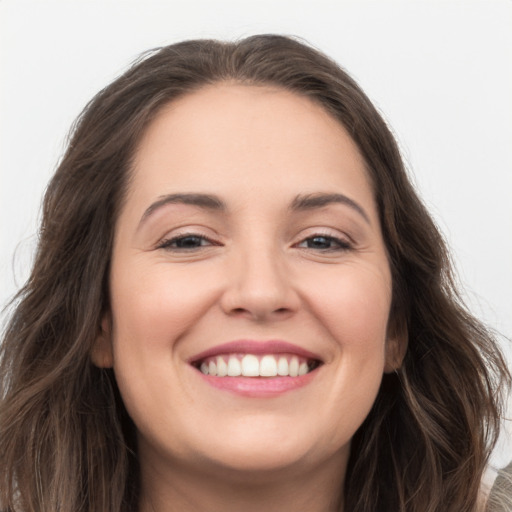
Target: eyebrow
point(214, 203)
point(205, 201)
point(319, 200)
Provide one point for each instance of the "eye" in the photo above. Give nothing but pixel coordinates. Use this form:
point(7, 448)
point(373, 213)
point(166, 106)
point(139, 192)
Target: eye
point(324, 243)
point(186, 242)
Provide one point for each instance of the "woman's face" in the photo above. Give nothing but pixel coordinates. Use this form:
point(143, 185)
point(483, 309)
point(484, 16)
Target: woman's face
point(249, 242)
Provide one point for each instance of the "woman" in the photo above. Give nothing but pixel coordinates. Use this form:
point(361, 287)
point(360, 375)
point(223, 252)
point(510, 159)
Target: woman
point(239, 303)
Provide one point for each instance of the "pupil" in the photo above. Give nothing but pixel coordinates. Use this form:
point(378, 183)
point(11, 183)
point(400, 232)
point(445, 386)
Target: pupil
point(188, 242)
point(320, 242)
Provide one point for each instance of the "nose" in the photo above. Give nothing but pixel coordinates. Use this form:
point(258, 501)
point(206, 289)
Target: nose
point(259, 286)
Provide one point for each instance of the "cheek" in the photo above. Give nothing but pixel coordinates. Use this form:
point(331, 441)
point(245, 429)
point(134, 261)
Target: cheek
point(354, 306)
point(156, 307)
point(153, 310)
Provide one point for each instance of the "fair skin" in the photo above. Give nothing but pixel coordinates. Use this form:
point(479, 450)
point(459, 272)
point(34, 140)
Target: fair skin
point(250, 218)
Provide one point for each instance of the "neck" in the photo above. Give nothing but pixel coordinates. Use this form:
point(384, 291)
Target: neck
point(185, 489)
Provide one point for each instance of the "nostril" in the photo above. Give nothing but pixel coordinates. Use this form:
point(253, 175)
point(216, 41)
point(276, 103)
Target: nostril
point(239, 311)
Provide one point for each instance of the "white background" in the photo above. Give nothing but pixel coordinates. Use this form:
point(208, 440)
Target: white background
point(440, 71)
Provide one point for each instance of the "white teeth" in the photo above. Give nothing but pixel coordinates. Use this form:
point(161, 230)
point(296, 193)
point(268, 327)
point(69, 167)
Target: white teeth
point(268, 366)
point(250, 365)
point(234, 367)
point(294, 367)
point(303, 368)
point(222, 367)
point(282, 366)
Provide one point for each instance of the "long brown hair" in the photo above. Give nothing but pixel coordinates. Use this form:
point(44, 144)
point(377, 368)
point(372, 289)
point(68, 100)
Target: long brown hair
point(67, 443)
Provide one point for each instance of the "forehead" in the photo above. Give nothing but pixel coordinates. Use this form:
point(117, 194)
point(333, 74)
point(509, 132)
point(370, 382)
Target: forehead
point(231, 138)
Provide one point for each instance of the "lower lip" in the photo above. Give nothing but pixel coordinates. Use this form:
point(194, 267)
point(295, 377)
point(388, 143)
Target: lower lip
point(259, 387)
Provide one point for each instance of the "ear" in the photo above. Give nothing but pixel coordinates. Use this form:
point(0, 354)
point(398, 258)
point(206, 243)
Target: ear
point(396, 346)
point(102, 354)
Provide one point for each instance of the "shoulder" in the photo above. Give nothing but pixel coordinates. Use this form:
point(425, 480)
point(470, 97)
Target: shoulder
point(499, 495)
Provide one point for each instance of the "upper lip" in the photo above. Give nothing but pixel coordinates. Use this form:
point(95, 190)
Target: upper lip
point(255, 347)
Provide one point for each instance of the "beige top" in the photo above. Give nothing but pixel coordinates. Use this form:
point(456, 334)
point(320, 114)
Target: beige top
point(497, 487)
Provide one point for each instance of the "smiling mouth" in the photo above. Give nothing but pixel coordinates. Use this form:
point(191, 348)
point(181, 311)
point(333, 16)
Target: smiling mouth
point(256, 365)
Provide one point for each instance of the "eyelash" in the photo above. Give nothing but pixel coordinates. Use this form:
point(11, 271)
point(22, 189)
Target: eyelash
point(169, 244)
point(341, 245)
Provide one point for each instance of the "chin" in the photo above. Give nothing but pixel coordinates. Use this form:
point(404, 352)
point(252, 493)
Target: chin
point(269, 449)
point(263, 464)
